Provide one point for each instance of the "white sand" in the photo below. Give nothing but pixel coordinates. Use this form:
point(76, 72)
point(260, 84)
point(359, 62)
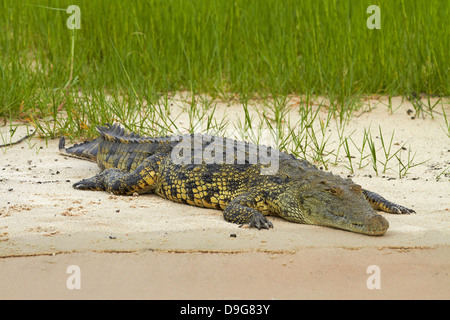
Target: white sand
point(40, 212)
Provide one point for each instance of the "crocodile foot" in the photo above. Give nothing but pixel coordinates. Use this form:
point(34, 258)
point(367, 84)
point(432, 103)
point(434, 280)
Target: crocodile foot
point(380, 203)
point(398, 209)
point(82, 185)
point(94, 183)
point(259, 222)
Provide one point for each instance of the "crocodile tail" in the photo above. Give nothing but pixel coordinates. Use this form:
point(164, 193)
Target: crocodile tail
point(87, 150)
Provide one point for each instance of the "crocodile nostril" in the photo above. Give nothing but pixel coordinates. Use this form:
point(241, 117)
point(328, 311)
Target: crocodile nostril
point(377, 224)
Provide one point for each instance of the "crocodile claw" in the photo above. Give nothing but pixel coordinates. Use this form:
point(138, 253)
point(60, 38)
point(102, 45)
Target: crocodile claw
point(259, 222)
point(401, 210)
point(84, 184)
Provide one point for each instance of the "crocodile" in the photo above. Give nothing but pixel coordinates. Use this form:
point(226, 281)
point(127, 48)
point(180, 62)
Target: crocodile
point(230, 175)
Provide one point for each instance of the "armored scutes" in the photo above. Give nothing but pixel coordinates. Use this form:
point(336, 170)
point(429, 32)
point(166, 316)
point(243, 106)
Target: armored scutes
point(245, 180)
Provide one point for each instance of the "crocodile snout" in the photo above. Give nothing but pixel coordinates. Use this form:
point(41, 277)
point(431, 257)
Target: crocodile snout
point(376, 224)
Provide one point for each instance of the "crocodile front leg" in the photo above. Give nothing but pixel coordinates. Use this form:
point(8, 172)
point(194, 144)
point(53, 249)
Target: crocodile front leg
point(241, 210)
point(141, 180)
point(380, 203)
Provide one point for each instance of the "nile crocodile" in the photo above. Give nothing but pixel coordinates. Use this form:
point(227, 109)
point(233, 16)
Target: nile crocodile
point(234, 176)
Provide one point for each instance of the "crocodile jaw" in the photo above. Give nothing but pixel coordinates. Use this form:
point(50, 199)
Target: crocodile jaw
point(372, 224)
point(347, 211)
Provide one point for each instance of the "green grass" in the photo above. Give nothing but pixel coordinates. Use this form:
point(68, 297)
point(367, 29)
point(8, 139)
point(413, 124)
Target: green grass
point(129, 57)
point(221, 47)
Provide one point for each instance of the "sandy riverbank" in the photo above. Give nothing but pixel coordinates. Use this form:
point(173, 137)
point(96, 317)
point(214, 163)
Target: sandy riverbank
point(45, 225)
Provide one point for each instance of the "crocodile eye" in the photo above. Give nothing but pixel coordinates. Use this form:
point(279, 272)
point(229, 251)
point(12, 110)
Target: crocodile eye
point(336, 191)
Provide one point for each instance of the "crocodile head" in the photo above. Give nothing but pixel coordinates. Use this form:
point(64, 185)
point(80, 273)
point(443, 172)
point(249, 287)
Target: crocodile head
point(333, 204)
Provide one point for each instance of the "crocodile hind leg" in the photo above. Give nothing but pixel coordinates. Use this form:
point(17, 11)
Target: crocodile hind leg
point(240, 210)
point(380, 203)
point(141, 180)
